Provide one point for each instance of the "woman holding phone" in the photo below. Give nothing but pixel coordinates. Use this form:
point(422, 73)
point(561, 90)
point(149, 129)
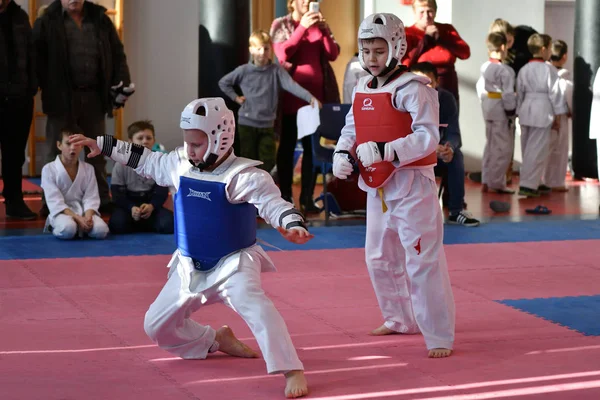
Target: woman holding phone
point(304, 46)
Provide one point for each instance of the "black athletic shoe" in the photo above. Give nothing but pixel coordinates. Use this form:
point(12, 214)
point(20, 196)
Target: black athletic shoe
point(19, 210)
point(463, 218)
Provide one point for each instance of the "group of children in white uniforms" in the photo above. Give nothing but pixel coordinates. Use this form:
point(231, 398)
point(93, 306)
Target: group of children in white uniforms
point(404, 244)
point(540, 97)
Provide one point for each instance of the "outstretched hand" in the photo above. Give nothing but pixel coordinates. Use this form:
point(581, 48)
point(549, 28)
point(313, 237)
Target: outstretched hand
point(80, 140)
point(298, 236)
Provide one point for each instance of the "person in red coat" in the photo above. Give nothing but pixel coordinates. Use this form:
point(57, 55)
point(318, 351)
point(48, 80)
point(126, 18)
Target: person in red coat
point(439, 44)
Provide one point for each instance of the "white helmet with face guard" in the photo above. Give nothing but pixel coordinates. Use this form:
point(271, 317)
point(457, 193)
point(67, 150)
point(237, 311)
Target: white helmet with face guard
point(389, 28)
point(211, 116)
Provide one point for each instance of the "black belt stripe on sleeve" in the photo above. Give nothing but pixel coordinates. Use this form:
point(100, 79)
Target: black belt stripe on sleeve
point(289, 212)
point(136, 154)
point(108, 144)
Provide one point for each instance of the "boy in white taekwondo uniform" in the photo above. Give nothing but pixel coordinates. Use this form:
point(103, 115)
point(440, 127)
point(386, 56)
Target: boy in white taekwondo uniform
point(558, 159)
point(217, 258)
point(496, 91)
point(71, 193)
point(392, 129)
point(540, 105)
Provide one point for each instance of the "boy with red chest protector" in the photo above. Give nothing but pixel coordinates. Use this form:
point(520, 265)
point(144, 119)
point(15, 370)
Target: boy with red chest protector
point(392, 129)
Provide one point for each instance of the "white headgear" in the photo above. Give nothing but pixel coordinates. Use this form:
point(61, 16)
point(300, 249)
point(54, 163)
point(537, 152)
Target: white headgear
point(211, 116)
point(389, 28)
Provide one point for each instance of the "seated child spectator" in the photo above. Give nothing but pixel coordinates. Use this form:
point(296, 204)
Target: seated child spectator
point(71, 193)
point(139, 201)
point(450, 158)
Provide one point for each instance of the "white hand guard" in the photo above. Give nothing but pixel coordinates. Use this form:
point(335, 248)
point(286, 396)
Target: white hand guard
point(369, 153)
point(342, 168)
point(120, 94)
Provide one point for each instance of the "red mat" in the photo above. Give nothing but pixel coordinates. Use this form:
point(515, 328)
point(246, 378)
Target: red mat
point(28, 187)
point(73, 329)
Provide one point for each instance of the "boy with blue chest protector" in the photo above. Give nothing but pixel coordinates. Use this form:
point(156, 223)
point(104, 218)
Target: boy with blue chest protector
point(217, 258)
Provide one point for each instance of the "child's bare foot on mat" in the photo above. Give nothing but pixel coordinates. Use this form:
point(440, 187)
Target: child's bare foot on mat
point(381, 331)
point(229, 344)
point(439, 353)
point(295, 384)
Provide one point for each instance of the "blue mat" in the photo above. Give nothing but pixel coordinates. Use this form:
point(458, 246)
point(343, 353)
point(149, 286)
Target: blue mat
point(580, 313)
point(337, 237)
point(527, 231)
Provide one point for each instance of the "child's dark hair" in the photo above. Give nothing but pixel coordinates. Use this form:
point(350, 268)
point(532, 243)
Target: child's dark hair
point(70, 129)
point(559, 49)
point(139, 126)
point(495, 41)
point(425, 68)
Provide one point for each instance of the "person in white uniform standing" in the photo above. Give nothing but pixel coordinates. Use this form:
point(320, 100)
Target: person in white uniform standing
point(217, 258)
point(595, 116)
point(392, 130)
point(72, 193)
point(558, 159)
point(540, 106)
point(496, 92)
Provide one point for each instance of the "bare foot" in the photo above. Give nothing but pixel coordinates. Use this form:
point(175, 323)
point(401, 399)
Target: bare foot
point(229, 344)
point(382, 330)
point(439, 353)
point(295, 384)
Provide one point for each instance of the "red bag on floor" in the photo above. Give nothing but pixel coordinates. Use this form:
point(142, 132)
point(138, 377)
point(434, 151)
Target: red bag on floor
point(347, 193)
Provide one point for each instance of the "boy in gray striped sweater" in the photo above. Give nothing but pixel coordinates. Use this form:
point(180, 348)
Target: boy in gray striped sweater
point(260, 81)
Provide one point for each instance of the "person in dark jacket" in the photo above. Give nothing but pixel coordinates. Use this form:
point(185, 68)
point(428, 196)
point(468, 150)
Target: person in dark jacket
point(83, 73)
point(18, 85)
point(450, 157)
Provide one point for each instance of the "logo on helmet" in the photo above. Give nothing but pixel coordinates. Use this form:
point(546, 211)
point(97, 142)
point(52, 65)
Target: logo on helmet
point(368, 105)
point(185, 119)
point(367, 30)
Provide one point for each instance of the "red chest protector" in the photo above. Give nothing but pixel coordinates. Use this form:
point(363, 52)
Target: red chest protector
point(376, 120)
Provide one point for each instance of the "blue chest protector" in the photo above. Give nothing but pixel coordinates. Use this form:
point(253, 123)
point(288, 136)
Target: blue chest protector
point(207, 226)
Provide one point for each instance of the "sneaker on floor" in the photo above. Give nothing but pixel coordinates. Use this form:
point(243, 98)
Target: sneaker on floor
point(505, 190)
point(543, 189)
point(463, 218)
point(523, 191)
point(20, 210)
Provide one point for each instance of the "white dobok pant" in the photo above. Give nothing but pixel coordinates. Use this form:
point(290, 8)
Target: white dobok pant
point(168, 321)
point(65, 227)
point(558, 158)
point(535, 145)
point(407, 264)
point(497, 154)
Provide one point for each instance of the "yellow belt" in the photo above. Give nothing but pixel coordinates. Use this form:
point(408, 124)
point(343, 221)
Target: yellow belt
point(494, 95)
point(384, 207)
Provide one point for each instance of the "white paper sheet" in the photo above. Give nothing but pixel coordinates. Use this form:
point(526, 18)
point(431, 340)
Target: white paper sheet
point(308, 120)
